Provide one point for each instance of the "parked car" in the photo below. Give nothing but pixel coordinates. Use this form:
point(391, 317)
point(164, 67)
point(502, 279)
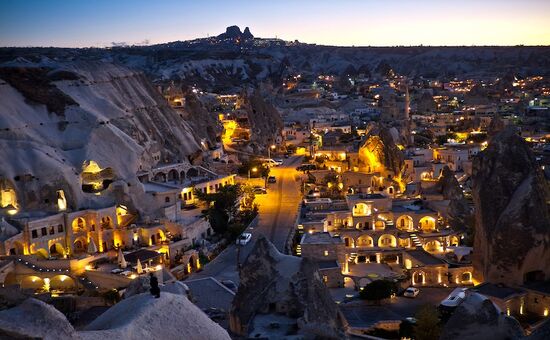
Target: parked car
point(259, 190)
point(411, 292)
point(271, 179)
point(229, 284)
point(272, 162)
point(452, 301)
point(306, 167)
point(243, 239)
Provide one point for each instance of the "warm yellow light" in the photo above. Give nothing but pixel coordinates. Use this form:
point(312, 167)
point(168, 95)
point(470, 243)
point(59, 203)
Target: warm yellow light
point(133, 276)
point(545, 313)
point(254, 169)
point(273, 147)
point(46, 286)
point(158, 267)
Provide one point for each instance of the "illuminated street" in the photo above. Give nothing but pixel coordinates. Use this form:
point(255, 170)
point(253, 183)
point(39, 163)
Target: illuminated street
point(277, 216)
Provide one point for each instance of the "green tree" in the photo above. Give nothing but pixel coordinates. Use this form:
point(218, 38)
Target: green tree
point(378, 290)
point(222, 206)
point(427, 323)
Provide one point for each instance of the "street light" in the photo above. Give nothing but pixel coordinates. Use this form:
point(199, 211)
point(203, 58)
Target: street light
point(254, 169)
point(271, 147)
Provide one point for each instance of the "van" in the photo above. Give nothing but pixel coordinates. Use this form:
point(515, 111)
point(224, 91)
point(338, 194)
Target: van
point(452, 301)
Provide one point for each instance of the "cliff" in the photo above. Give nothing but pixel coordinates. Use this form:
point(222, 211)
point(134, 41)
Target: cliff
point(81, 114)
point(512, 221)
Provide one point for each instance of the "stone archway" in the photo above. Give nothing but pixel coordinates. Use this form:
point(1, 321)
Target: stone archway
point(387, 240)
point(62, 282)
point(349, 242)
point(78, 224)
point(80, 245)
point(405, 222)
point(427, 224)
point(159, 177)
point(56, 249)
point(433, 246)
point(42, 252)
point(19, 248)
point(173, 176)
point(364, 241)
point(418, 278)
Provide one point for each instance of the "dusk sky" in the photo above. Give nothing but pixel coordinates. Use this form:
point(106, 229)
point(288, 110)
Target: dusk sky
point(81, 23)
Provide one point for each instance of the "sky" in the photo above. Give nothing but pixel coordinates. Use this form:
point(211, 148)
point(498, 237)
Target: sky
point(102, 23)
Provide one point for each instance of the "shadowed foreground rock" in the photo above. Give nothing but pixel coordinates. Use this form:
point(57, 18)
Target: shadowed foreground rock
point(275, 283)
point(512, 235)
point(478, 318)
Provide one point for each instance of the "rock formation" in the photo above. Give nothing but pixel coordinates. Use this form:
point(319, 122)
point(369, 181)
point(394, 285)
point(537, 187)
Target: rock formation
point(100, 110)
point(264, 119)
point(205, 124)
point(477, 318)
point(172, 316)
point(380, 152)
point(271, 282)
point(512, 221)
point(459, 214)
point(234, 32)
point(35, 319)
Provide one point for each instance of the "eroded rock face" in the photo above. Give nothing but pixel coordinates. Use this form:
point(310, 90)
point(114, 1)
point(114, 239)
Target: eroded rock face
point(512, 221)
point(459, 213)
point(265, 121)
point(271, 282)
point(478, 318)
point(380, 151)
point(35, 319)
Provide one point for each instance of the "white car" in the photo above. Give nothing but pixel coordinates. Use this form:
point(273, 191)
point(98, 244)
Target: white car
point(278, 161)
point(243, 239)
point(411, 292)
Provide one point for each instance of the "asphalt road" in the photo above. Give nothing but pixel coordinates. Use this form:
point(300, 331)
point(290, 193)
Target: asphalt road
point(277, 215)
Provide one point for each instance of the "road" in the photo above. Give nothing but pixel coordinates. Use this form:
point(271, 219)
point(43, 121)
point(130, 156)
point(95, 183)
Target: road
point(277, 215)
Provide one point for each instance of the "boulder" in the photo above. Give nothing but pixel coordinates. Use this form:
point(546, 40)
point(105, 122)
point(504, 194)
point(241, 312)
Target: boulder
point(512, 221)
point(272, 283)
point(34, 319)
point(172, 316)
point(478, 318)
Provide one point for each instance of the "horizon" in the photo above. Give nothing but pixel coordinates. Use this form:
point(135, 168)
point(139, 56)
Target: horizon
point(396, 23)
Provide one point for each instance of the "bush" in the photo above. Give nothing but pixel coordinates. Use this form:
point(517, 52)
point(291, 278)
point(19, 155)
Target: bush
point(378, 290)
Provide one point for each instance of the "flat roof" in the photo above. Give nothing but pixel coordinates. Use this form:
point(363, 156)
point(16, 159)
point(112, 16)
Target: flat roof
point(210, 293)
point(320, 238)
point(498, 291)
point(423, 256)
point(142, 255)
point(328, 264)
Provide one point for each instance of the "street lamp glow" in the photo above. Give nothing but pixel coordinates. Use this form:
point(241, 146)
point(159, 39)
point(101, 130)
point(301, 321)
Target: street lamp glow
point(254, 169)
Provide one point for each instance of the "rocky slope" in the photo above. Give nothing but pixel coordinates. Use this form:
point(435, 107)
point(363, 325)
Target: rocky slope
point(478, 318)
point(264, 119)
point(271, 282)
point(58, 117)
point(512, 221)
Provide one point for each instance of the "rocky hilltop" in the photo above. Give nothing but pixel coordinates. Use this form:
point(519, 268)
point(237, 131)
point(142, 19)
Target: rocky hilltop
point(459, 213)
point(512, 221)
point(61, 124)
point(273, 283)
point(478, 318)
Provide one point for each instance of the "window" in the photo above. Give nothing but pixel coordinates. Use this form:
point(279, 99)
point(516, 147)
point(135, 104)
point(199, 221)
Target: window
point(52, 230)
point(44, 231)
point(34, 233)
point(326, 252)
point(167, 199)
point(325, 278)
point(60, 228)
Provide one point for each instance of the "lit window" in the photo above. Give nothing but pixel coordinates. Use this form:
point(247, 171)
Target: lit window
point(326, 252)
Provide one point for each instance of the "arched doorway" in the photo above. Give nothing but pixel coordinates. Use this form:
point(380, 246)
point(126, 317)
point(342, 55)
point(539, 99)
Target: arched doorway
point(62, 282)
point(348, 241)
point(56, 249)
point(107, 222)
point(405, 222)
point(454, 241)
point(361, 209)
point(192, 173)
point(427, 224)
point(349, 283)
point(466, 277)
point(18, 248)
point(79, 245)
point(379, 225)
point(79, 224)
point(160, 177)
point(387, 240)
point(173, 175)
point(364, 241)
point(419, 278)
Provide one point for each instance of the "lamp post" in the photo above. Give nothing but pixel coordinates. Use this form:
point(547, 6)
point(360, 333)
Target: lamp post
point(271, 147)
point(254, 169)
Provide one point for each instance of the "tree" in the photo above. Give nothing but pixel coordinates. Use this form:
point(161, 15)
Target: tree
point(378, 290)
point(427, 323)
point(222, 206)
